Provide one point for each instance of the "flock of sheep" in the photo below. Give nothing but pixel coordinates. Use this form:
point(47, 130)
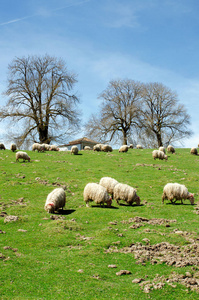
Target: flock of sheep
point(108, 188)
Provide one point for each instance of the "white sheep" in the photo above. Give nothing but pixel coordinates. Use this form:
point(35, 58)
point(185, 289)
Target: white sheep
point(171, 149)
point(159, 154)
point(53, 148)
point(125, 192)
point(162, 149)
point(97, 148)
point(139, 147)
point(46, 147)
point(124, 148)
point(97, 193)
point(109, 183)
point(38, 147)
point(131, 146)
point(106, 148)
point(13, 147)
point(2, 147)
point(176, 191)
point(55, 200)
point(87, 148)
point(194, 151)
point(23, 155)
point(74, 150)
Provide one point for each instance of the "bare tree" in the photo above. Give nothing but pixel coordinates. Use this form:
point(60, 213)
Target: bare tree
point(162, 116)
point(40, 99)
point(118, 113)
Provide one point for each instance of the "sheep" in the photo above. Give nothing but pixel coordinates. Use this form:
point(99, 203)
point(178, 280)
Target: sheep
point(124, 148)
point(87, 148)
point(98, 147)
point(38, 147)
point(194, 151)
point(139, 147)
point(171, 149)
point(97, 193)
point(55, 200)
point(46, 147)
point(159, 154)
point(13, 147)
point(125, 192)
point(106, 148)
point(53, 148)
point(109, 183)
point(176, 191)
point(2, 147)
point(23, 155)
point(74, 150)
point(162, 149)
point(131, 146)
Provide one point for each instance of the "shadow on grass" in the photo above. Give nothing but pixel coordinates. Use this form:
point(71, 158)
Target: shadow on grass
point(65, 212)
point(133, 205)
point(98, 206)
point(169, 203)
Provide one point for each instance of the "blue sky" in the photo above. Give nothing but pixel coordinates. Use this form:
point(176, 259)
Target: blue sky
point(101, 40)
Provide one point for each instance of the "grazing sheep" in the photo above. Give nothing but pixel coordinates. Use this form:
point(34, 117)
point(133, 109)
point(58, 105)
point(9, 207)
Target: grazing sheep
point(171, 149)
point(2, 147)
point(159, 154)
point(176, 191)
point(125, 192)
point(46, 147)
point(55, 200)
point(13, 147)
point(194, 151)
point(109, 183)
point(124, 148)
point(74, 150)
point(87, 148)
point(97, 148)
point(38, 147)
point(23, 155)
point(106, 148)
point(53, 148)
point(139, 147)
point(131, 146)
point(162, 149)
point(97, 193)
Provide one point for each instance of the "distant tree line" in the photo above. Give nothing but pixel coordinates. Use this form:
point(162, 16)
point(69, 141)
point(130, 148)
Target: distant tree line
point(42, 107)
point(132, 110)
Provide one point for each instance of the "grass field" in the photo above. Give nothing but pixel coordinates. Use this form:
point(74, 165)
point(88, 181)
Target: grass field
point(66, 256)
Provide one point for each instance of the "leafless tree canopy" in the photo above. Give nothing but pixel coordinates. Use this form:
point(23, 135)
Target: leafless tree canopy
point(149, 113)
point(118, 114)
point(161, 116)
point(39, 98)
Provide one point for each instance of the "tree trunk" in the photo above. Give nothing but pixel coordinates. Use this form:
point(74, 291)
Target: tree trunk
point(124, 138)
point(43, 135)
point(159, 138)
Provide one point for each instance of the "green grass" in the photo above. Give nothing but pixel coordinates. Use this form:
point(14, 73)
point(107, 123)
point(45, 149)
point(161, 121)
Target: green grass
point(50, 252)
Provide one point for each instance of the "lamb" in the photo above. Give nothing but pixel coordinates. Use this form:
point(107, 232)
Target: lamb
point(13, 147)
point(162, 149)
point(176, 191)
point(127, 193)
point(97, 193)
point(23, 155)
point(55, 200)
point(106, 148)
point(109, 183)
point(194, 151)
point(159, 154)
point(171, 149)
point(74, 150)
point(2, 147)
point(124, 148)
